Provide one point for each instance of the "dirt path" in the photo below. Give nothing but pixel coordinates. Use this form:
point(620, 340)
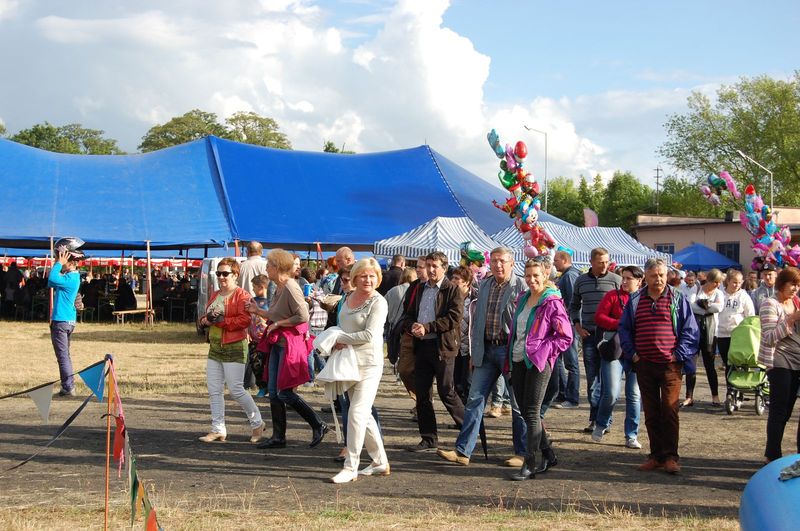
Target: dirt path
point(719, 454)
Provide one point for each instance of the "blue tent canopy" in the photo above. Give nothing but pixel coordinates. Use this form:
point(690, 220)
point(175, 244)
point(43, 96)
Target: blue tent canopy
point(698, 257)
point(296, 198)
point(211, 191)
point(170, 197)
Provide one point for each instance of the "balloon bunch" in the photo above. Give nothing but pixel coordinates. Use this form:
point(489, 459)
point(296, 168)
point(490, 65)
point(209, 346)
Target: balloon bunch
point(524, 204)
point(771, 244)
point(713, 190)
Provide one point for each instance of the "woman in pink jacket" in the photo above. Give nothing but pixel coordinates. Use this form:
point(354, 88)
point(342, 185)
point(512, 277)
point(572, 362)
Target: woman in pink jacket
point(541, 330)
point(227, 322)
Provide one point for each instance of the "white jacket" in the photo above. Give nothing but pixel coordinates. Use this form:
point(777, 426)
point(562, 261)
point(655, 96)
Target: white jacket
point(736, 308)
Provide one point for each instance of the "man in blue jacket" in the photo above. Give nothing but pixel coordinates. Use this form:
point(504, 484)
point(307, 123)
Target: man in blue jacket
point(65, 281)
point(659, 335)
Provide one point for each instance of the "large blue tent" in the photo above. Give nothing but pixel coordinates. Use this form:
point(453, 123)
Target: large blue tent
point(211, 191)
point(698, 257)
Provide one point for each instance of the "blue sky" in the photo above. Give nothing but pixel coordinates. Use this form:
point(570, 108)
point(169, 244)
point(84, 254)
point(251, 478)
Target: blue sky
point(599, 77)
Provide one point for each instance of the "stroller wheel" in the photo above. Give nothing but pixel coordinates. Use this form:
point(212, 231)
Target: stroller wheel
point(729, 405)
point(759, 405)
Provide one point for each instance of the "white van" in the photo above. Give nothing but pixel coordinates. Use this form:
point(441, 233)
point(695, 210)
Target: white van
point(207, 284)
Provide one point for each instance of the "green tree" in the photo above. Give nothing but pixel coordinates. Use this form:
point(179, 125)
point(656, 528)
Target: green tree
point(250, 128)
point(592, 195)
point(624, 198)
point(682, 197)
point(70, 138)
point(2, 129)
point(330, 147)
point(564, 201)
point(760, 116)
point(181, 129)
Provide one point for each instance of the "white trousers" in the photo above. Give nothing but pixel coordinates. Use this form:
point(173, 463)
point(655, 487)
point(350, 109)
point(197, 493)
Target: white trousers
point(362, 430)
point(218, 374)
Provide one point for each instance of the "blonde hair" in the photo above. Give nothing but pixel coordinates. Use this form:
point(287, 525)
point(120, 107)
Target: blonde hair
point(364, 264)
point(534, 264)
point(732, 273)
point(282, 260)
point(715, 275)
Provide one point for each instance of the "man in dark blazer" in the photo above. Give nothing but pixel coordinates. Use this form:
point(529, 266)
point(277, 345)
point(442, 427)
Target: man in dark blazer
point(434, 320)
point(392, 277)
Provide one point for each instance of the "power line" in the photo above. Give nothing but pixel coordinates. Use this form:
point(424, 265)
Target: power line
point(658, 182)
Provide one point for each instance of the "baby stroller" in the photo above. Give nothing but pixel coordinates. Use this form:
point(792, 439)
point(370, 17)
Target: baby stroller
point(745, 375)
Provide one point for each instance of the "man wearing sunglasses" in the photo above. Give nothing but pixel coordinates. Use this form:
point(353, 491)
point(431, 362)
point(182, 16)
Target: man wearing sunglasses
point(659, 336)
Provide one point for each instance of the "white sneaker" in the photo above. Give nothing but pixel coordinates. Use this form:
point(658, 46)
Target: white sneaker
point(345, 476)
point(566, 404)
point(376, 470)
point(597, 434)
point(634, 443)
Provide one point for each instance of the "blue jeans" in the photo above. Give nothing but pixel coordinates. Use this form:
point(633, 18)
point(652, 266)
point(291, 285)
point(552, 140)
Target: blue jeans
point(483, 380)
point(500, 393)
point(572, 389)
point(611, 374)
point(591, 367)
point(287, 396)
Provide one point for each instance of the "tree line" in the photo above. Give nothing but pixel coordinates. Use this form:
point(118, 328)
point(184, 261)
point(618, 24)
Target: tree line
point(759, 117)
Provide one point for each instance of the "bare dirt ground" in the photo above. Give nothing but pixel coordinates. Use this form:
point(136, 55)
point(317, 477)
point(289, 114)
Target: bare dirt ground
point(719, 453)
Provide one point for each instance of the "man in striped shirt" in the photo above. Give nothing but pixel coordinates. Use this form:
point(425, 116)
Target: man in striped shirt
point(587, 293)
point(659, 335)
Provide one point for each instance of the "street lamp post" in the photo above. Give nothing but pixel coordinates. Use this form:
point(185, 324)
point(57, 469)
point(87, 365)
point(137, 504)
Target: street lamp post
point(771, 187)
point(545, 161)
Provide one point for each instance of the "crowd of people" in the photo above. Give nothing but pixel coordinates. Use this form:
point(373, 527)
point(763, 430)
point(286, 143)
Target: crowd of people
point(473, 332)
point(640, 330)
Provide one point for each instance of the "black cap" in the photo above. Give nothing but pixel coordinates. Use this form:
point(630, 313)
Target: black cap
point(769, 266)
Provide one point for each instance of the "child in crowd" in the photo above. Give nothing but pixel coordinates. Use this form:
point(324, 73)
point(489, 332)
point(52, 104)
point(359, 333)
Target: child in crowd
point(738, 305)
point(260, 284)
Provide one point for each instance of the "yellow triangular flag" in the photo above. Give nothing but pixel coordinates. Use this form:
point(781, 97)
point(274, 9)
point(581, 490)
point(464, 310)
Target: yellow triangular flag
point(42, 398)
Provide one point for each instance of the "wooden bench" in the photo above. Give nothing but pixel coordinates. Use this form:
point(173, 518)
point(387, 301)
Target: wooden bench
point(120, 315)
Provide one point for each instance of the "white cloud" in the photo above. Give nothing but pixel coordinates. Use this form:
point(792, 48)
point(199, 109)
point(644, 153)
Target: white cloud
point(8, 8)
point(124, 68)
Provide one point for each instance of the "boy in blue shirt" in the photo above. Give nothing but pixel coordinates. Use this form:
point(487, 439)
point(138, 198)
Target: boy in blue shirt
point(65, 281)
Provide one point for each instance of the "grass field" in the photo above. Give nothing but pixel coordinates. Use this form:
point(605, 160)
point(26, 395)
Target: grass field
point(167, 364)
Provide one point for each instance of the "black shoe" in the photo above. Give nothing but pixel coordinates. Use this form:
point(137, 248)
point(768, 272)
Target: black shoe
point(326, 409)
point(318, 434)
point(423, 446)
point(339, 458)
point(272, 443)
point(549, 460)
point(64, 392)
point(526, 471)
point(589, 428)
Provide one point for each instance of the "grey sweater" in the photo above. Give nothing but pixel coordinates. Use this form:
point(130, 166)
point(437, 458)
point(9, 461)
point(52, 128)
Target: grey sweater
point(587, 293)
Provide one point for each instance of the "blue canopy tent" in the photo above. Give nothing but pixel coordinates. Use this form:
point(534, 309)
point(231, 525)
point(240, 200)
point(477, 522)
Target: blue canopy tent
point(698, 257)
point(172, 198)
point(212, 191)
point(339, 199)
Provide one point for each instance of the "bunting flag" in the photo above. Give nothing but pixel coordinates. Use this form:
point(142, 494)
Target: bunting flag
point(133, 488)
point(58, 434)
point(590, 218)
point(119, 444)
point(42, 397)
point(94, 379)
point(120, 433)
point(48, 384)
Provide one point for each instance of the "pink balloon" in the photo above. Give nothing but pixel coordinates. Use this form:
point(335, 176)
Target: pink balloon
point(530, 251)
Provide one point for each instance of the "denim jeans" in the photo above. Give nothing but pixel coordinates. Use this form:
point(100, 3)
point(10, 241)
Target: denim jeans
point(572, 389)
point(483, 380)
point(287, 396)
point(60, 332)
point(611, 374)
point(500, 393)
point(219, 374)
point(591, 367)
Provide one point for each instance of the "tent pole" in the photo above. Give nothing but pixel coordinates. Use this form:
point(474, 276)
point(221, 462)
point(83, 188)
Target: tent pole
point(149, 316)
point(52, 262)
point(236, 251)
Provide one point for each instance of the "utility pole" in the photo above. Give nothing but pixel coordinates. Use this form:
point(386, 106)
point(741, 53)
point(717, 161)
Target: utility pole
point(658, 182)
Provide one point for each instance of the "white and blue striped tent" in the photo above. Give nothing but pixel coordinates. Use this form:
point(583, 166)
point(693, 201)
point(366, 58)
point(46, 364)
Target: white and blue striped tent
point(439, 234)
point(622, 248)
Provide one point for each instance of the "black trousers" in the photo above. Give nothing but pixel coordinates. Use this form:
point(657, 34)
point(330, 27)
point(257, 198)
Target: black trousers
point(783, 386)
point(427, 367)
point(530, 386)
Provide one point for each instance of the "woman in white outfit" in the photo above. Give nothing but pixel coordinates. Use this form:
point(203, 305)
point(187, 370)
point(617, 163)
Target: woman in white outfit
point(361, 319)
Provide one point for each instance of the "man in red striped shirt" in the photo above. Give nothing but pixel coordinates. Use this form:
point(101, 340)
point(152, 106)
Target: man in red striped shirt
point(659, 335)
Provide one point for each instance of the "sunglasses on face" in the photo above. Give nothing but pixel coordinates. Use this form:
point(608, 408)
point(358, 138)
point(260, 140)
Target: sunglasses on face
point(224, 273)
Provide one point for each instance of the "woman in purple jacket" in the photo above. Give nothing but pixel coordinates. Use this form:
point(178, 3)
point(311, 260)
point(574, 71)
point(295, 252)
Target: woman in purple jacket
point(539, 333)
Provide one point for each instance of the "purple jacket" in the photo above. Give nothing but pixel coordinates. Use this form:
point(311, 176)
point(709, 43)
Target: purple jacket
point(548, 331)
